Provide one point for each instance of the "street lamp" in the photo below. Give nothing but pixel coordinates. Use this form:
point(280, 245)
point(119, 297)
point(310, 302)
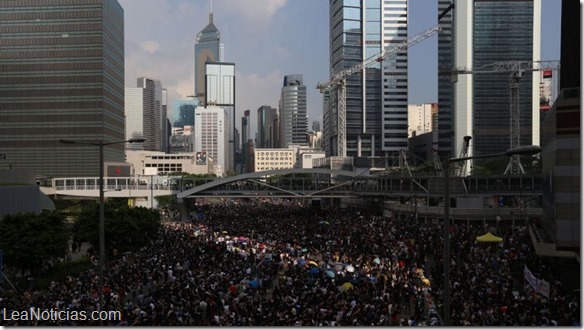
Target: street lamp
point(525, 150)
point(101, 204)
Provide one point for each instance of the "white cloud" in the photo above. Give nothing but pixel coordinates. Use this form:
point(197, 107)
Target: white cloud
point(150, 46)
point(254, 90)
point(254, 13)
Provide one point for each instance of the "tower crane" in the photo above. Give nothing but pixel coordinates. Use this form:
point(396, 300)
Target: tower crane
point(437, 163)
point(339, 80)
point(516, 70)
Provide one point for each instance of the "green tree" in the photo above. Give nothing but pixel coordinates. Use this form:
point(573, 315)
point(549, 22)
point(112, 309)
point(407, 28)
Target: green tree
point(126, 229)
point(230, 172)
point(166, 201)
point(29, 241)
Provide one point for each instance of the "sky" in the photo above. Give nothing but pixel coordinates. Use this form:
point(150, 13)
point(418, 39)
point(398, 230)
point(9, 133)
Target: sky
point(268, 39)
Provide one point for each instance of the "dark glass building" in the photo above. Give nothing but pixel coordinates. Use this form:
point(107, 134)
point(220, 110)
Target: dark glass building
point(377, 97)
point(503, 31)
point(61, 77)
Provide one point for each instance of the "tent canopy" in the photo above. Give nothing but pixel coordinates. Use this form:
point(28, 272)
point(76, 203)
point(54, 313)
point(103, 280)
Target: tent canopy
point(489, 238)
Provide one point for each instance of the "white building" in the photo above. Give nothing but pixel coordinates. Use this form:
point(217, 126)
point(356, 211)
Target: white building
point(167, 163)
point(220, 92)
point(306, 158)
point(274, 159)
point(211, 135)
point(420, 118)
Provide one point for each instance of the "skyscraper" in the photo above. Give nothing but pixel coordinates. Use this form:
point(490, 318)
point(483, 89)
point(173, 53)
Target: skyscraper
point(267, 128)
point(61, 77)
point(376, 99)
point(245, 137)
point(220, 91)
point(152, 113)
point(165, 123)
point(183, 112)
point(208, 48)
point(293, 120)
point(211, 135)
point(485, 32)
point(445, 127)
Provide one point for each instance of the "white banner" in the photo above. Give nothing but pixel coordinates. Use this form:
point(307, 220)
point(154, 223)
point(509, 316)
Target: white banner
point(532, 280)
point(543, 287)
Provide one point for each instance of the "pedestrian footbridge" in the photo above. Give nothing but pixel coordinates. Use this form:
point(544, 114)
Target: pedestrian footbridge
point(293, 183)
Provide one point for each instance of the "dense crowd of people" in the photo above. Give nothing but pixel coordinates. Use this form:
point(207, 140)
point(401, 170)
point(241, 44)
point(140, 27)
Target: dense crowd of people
point(272, 262)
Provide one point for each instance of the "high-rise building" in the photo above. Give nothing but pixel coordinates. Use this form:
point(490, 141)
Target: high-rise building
point(245, 139)
point(485, 32)
point(316, 126)
point(444, 119)
point(183, 118)
point(561, 156)
point(420, 118)
point(293, 120)
point(211, 135)
point(267, 127)
point(208, 48)
point(61, 77)
point(144, 115)
point(377, 98)
point(220, 91)
point(165, 130)
point(183, 112)
point(134, 110)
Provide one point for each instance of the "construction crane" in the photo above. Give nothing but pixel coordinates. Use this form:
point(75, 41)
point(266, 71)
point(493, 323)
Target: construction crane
point(516, 69)
point(339, 80)
point(437, 163)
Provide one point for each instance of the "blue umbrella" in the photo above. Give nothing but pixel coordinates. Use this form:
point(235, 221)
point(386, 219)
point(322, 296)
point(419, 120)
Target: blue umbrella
point(313, 271)
point(254, 283)
point(372, 278)
point(301, 262)
point(330, 273)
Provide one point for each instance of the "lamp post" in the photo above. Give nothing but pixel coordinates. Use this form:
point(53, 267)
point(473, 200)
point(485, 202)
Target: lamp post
point(525, 150)
point(101, 204)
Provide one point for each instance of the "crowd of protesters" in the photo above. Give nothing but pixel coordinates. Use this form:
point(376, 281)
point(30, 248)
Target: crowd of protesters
point(271, 262)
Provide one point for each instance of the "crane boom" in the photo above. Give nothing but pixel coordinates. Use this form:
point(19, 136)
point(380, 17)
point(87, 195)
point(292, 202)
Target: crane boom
point(516, 69)
point(339, 80)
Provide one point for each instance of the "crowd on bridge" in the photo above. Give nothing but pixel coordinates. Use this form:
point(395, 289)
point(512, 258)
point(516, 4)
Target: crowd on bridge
point(272, 262)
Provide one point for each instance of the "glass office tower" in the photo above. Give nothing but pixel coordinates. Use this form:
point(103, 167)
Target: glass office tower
point(293, 119)
point(477, 33)
point(376, 99)
point(503, 31)
point(208, 48)
point(61, 77)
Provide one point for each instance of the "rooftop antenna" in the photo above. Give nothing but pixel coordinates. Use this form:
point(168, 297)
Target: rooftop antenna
point(210, 11)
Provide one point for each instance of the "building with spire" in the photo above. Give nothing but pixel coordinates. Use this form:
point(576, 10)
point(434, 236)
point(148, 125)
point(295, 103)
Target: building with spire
point(208, 48)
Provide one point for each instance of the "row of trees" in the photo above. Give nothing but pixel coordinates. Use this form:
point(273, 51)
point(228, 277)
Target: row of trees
point(31, 242)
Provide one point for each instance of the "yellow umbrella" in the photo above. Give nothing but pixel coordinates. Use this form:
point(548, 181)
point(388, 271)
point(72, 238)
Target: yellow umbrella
point(426, 281)
point(313, 263)
point(348, 285)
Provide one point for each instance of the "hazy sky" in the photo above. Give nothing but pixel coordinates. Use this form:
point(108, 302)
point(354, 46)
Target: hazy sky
point(268, 39)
